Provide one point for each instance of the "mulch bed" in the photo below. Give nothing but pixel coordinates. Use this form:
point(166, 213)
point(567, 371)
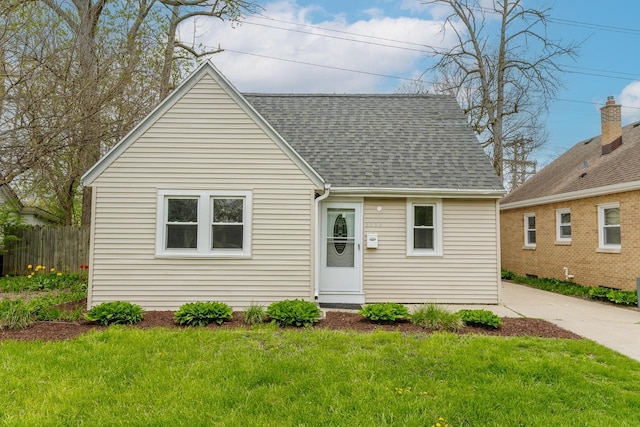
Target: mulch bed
point(335, 320)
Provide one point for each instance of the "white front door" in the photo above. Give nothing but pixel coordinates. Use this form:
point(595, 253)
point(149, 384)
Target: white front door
point(341, 253)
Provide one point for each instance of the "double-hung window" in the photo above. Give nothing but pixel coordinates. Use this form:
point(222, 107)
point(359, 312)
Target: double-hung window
point(203, 223)
point(424, 228)
point(609, 235)
point(530, 230)
point(563, 226)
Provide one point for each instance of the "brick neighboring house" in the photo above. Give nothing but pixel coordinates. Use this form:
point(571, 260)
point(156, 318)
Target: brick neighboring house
point(579, 217)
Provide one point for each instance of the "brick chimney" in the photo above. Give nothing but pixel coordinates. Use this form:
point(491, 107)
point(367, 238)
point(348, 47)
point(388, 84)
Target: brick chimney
point(611, 126)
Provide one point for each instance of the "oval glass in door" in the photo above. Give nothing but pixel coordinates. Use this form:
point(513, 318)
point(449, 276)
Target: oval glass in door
point(340, 237)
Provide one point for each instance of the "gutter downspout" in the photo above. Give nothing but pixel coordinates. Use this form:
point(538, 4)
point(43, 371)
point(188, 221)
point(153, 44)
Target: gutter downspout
point(327, 190)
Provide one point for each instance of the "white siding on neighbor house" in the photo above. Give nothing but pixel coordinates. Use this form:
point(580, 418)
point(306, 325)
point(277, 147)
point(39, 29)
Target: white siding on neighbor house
point(204, 142)
point(466, 273)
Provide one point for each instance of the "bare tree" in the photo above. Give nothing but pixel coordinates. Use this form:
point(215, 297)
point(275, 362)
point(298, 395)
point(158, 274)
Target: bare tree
point(185, 10)
point(503, 68)
point(71, 64)
point(76, 75)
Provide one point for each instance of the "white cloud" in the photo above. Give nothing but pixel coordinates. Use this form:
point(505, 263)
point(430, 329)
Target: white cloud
point(301, 43)
point(630, 97)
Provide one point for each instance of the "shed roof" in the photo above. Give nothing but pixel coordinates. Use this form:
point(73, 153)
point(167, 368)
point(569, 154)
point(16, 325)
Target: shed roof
point(381, 141)
point(583, 169)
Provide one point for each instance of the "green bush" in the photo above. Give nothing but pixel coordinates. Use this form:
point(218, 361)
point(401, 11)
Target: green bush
point(598, 293)
point(15, 315)
point(203, 313)
point(294, 313)
point(569, 288)
point(483, 318)
point(432, 316)
point(622, 297)
point(386, 312)
point(507, 275)
point(115, 312)
point(254, 314)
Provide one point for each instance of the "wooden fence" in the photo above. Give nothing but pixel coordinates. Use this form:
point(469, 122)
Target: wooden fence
point(64, 248)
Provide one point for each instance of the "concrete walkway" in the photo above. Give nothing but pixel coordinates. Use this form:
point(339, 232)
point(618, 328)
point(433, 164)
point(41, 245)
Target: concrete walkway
point(615, 327)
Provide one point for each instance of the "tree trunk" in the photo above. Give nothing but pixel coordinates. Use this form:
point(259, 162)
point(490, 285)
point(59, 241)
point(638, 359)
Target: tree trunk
point(165, 77)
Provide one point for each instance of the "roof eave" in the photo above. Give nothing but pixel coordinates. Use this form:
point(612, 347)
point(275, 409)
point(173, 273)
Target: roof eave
point(419, 192)
point(573, 195)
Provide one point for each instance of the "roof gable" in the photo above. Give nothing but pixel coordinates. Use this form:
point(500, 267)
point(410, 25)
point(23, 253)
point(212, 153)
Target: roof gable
point(583, 171)
point(206, 68)
point(382, 141)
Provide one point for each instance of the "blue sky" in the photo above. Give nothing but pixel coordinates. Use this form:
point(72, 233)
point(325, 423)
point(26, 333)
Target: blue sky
point(308, 46)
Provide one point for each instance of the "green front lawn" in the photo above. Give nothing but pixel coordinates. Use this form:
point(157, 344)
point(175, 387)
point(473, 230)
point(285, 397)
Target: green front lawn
point(273, 377)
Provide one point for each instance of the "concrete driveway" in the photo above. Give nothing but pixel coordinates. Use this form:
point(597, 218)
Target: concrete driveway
point(615, 327)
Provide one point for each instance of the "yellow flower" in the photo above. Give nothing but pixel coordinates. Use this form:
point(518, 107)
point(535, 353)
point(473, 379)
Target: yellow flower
point(59, 274)
point(52, 270)
point(29, 276)
point(29, 267)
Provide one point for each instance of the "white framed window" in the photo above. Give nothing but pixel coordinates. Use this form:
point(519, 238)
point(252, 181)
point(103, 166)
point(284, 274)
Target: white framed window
point(609, 236)
point(203, 223)
point(563, 225)
point(424, 228)
point(530, 230)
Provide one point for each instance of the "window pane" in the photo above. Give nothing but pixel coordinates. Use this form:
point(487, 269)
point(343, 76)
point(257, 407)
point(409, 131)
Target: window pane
point(531, 222)
point(423, 216)
point(565, 218)
point(423, 238)
point(340, 252)
point(227, 210)
point(565, 231)
point(531, 237)
point(612, 236)
point(182, 236)
point(227, 236)
point(612, 216)
point(182, 210)
point(341, 222)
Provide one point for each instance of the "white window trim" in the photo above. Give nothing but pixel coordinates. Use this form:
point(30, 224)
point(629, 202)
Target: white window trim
point(205, 207)
point(527, 244)
point(437, 224)
point(559, 238)
point(601, 244)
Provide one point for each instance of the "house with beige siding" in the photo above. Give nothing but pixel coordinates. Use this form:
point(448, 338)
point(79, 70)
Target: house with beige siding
point(579, 218)
point(339, 199)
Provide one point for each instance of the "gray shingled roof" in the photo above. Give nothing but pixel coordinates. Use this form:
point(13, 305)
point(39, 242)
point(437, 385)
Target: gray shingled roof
point(381, 141)
point(565, 174)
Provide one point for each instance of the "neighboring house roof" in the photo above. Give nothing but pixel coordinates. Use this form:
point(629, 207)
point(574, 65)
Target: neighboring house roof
point(583, 171)
point(389, 142)
point(33, 215)
point(381, 141)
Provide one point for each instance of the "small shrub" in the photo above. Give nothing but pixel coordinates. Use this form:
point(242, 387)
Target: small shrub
point(203, 313)
point(387, 312)
point(254, 314)
point(115, 312)
point(622, 297)
point(432, 316)
point(507, 275)
point(483, 318)
point(15, 315)
point(598, 293)
point(294, 313)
